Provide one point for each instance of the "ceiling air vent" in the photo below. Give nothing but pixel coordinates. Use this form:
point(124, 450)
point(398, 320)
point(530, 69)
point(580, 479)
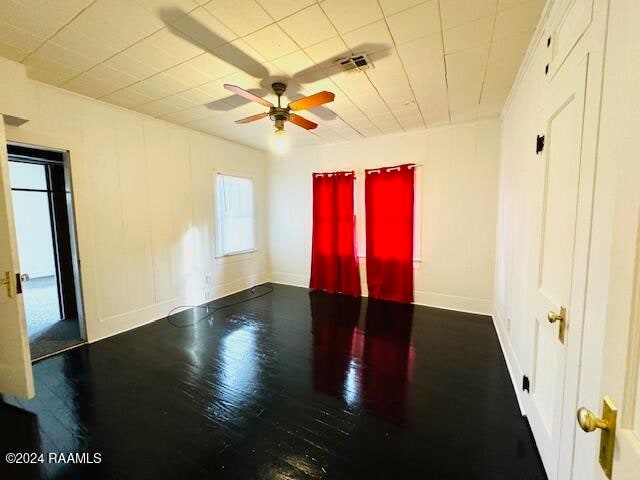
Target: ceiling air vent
point(357, 63)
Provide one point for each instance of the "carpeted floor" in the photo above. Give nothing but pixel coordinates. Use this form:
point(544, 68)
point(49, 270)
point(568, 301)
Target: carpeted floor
point(60, 335)
point(47, 332)
point(41, 304)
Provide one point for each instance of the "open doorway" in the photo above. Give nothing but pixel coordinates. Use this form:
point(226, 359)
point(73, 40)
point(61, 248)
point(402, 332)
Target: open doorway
point(43, 213)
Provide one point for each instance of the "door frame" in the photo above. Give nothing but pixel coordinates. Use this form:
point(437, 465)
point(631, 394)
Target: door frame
point(73, 234)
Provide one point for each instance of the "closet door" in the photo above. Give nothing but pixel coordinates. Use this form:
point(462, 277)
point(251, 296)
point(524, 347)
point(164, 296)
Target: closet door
point(561, 272)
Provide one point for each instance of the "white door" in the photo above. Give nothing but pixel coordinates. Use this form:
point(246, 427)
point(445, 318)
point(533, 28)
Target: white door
point(617, 364)
point(560, 277)
point(16, 376)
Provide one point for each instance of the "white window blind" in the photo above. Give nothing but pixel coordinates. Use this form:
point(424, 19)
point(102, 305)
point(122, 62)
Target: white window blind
point(234, 213)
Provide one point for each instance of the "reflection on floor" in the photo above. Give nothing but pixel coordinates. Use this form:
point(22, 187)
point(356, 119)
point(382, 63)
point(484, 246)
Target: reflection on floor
point(41, 304)
point(292, 385)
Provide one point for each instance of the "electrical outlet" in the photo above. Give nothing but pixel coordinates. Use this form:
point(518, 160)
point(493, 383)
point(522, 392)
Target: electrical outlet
point(207, 279)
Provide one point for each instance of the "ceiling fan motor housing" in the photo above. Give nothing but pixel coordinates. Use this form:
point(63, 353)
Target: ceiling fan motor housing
point(278, 88)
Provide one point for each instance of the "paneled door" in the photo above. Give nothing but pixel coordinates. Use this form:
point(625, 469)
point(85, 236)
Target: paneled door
point(617, 364)
point(16, 376)
point(562, 260)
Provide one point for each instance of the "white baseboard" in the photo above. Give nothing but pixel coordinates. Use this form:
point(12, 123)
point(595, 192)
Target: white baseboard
point(124, 322)
point(515, 371)
point(428, 299)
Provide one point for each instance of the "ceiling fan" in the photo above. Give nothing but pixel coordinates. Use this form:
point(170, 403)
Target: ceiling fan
point(282, 114)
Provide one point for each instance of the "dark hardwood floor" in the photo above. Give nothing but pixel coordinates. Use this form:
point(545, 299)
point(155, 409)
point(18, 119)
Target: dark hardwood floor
point(290, 385)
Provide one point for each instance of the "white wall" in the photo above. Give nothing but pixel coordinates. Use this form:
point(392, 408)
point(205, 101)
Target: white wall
point(143, 192)
point(457, 212)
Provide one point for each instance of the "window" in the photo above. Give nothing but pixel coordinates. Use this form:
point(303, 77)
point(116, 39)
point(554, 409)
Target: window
point(234, 215)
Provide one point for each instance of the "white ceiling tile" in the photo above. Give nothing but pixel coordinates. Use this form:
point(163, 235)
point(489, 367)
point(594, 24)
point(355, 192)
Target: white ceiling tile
point(388, 71)
point(112, 75)
point(415, 22)
point(12, 53)
point(424, 61)
point(347, 16)
point(510, 50)
point(82, 44)
point(188, 75)
point(148, 89)
point(117, 23)
point(502, 4)
point(196, 96)
point(19, 38)
point(215, 89)
point(271, 42)
point(58, 70)
point(294, 63)
point(179, 102)
point(175, 45)
point(168, 9)
point(519, 19)
point(167, 83)
point(465, 74)
point(149, 54)
point(458, 12)
point(468, 35)
point(63, 56)
point(188, 115)
point(61, 12)
point(49, 72)
point(90, 85)
point(389, 7)
point(156, 108)
point(369, 39)
point(241, 16)
point(204, 29)
point(41, 21)
point(127, 98)
point(279, 9)
point(242, 56)
point(328, 50)
point(309, 26)
point(211, 65)
point(126, 63)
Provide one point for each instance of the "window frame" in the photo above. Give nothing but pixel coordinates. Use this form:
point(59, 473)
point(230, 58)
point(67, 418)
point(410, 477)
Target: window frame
point(218, 222)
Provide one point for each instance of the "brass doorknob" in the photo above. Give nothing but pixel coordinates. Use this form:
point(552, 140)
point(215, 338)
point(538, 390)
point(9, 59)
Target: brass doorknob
point(589, 422)
point(556, 317)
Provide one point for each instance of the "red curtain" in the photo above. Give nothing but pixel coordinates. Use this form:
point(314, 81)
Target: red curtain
point(389, 211)
point(334, 263)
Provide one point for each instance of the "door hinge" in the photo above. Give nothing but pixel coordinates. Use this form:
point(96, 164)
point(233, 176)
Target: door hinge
point(525, 383)
point(548, 42)
point(18, 284)
point(539, 144)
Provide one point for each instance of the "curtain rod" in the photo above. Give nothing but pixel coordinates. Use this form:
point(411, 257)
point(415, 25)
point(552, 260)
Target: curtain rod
point(394, 167)
point(363, 170)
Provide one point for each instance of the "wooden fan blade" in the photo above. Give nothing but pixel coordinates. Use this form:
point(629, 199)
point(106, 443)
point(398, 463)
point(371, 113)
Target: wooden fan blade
point(312, 101)
point(247, 95)
point(253, 118)
point(302, 122)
